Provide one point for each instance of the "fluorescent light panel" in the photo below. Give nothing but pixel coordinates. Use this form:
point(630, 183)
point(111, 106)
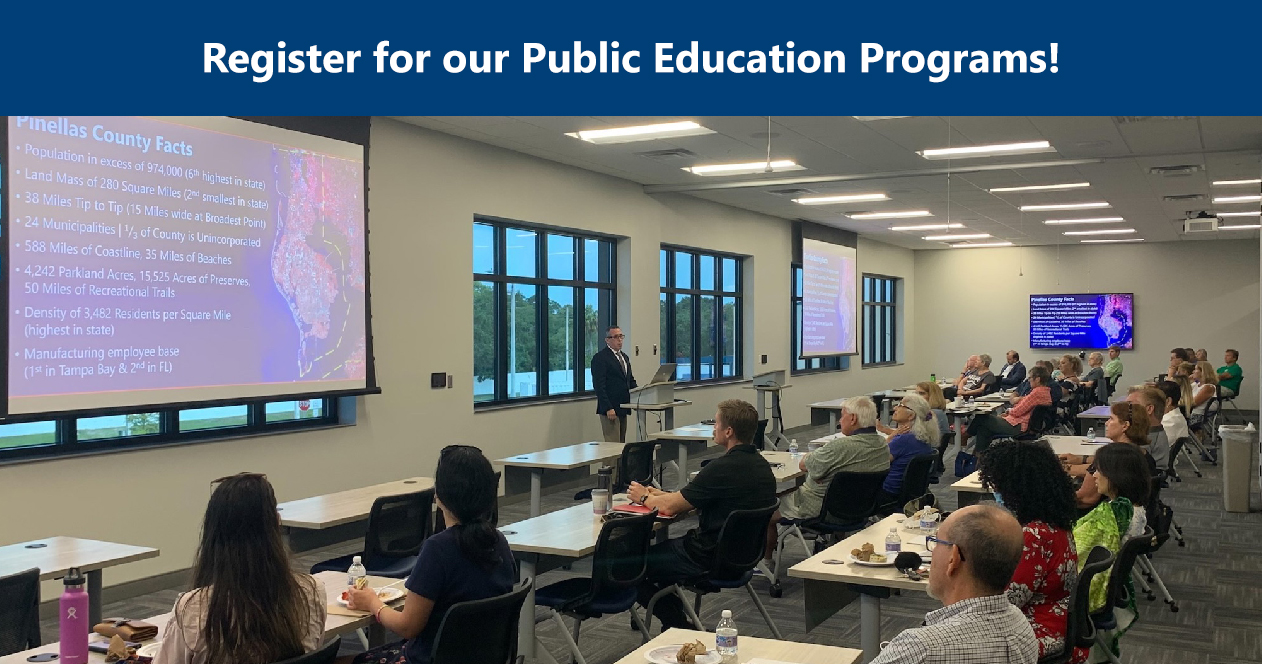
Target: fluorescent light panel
point(745, 168)
point(842, 198)
point(1102, 231)
point(946, 238)
point(1041, 187)
point(1238, 199)
point(987, 150)
point(1065, 206)
point(902, 214)
point(966, 245)
point(927, 227)
point(1249, 213)
point(1088, 220)
point(641, 132)
point(1233, 183)
point(1129, 239)
point(1241, 227)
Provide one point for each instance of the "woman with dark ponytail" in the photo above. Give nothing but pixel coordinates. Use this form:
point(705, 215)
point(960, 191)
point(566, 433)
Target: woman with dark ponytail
point(467, 561)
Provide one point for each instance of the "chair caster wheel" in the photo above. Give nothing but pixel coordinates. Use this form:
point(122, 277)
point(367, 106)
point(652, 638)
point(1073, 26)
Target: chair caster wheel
point(1174, 608)
point(1182, 543)
point(1151, 597)
point(777, 590)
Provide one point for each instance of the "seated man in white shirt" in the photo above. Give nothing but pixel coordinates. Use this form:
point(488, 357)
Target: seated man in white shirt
point(974, 555)
point(1173, 422)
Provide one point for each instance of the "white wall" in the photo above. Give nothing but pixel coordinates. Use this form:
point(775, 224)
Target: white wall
point(1200, 294)
point(425, 189)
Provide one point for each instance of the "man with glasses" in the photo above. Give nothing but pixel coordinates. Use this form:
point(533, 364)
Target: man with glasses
point(613, 381)
point(974, 555)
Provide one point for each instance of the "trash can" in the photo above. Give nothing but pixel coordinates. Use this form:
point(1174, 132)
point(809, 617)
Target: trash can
point(1238, 454)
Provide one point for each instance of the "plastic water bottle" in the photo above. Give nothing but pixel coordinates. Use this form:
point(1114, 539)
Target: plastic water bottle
point(893, 543)
point(72, 620)
point(355, 573)
point(1091, 435)
point(725, 637)
point(793, 447)
point(933, 378)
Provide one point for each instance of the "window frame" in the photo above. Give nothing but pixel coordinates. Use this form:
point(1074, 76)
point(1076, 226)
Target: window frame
point(667, 352)
point(500, 280)
point(814, 365)
point(886, 310)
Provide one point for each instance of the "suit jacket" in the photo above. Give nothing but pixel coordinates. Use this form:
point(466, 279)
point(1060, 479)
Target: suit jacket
point(613, 388)
point(1014, 377)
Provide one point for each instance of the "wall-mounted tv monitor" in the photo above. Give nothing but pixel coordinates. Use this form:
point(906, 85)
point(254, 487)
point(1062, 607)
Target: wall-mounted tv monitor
point(1088, 321)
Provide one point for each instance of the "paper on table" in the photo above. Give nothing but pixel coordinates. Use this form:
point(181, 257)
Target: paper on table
point(339, 610)
point(760, 660)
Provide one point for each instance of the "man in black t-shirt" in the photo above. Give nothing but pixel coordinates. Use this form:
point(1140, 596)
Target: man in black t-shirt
point(739, 480)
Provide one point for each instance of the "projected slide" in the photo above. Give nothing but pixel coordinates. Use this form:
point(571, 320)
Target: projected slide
point(1082, 321)
point(181, 259)
point(829, 312)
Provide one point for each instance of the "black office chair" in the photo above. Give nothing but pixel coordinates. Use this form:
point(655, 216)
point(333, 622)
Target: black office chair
point(635, 464)
point(1120, 589)
point(618, 567)
point(482, 631)
point(760, 435)
point(19, 612)
point(1112, 384)
point(1042, 421)
point(1223, 400)
point(915, 483)
point(325, 654)
point(739, 550)
point(397, 526)
point(1180, 447)
point(1079, 630)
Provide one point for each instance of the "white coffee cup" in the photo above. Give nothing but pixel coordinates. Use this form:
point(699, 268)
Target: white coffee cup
point(600, 501)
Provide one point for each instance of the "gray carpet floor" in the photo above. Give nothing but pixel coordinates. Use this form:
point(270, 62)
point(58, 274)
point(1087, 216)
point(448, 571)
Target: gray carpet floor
point(1216, 579)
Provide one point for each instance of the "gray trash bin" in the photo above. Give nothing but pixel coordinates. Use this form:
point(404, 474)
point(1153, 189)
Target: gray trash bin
point(1238, 454)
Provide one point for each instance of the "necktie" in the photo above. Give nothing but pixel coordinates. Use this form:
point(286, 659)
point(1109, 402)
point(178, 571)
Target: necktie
point(621, 362)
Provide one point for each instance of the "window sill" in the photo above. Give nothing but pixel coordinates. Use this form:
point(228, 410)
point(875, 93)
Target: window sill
point(882, 365)
point(532, 401)
point(811, 372)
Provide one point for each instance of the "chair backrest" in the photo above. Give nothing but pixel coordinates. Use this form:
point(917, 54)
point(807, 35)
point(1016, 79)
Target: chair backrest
point(916, 478)
point(1119, 576)
point(1042, 419)
point(398, 525)
point(621, 555)
point(325, 654)
point(482, 631)
point(1175, 447)
point(19, 612)
point(760, 435)
point(851, 497)
point(741, 542)
point(635, 464)
point(1079, 630)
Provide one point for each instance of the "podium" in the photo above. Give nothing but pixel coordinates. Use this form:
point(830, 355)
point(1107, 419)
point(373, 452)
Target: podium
point(659, 397)
point(773, 383)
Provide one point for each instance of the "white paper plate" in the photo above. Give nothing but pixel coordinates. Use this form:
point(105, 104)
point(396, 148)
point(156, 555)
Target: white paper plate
point(666, 655)
point(387, 595)
point(149, 650)
point(889, 561)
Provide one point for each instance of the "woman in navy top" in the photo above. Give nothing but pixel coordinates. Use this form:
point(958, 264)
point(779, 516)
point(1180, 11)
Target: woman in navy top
point(916, 432)
point(469, 560)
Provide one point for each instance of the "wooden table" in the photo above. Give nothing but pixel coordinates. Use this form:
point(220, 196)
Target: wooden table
point(833, 407)
point(789, 469)
point(334, 624)
point(557, 458)
point(997, 397)
point(749, 647)
point(829, 587)
point(681, 439)
point(963, 412)
point(56, 555)
point(1090, 416)
point(641, 415)
point(335, 509)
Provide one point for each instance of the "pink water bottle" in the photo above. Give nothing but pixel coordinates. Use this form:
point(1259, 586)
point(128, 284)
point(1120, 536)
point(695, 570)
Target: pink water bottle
point(72, 621)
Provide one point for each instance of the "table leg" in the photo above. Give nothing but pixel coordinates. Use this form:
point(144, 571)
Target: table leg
point(870, 626)
point(760, 403)
point(683, 464)
point(832, 422)
point(668, 419)
point(536, 491)
point(959, 434)
point(526, 621)
point(94, 598)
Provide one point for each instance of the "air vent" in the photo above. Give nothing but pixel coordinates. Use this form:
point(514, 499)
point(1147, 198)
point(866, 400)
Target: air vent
point(1131, 119)
point(792, 193)
point(1183, 197)
point(674, 154)
point(1181, 170)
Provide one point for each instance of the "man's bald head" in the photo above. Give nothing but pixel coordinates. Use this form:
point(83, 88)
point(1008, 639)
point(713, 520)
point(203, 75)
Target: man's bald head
point(990, 541)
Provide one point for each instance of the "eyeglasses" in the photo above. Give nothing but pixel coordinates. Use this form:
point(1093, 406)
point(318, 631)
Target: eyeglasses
point(616, 336)
point(932, 543)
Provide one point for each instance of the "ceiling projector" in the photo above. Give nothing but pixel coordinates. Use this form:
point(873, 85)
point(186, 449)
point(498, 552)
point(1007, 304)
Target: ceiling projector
point(1202, 222)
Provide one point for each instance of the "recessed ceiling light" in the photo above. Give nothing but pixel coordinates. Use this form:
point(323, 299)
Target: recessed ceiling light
point(1103, 231)
point(1232, 183)
point(1247, 213)
point(947, 238)
point(745, 168)
point(1129, 239)
point(1238, 199)
point(641, 132)
point(927, 227)
point(844, 198)
point(987, 150)
point(1088, 220)
point(904, 214)
point(1065, 206)
point(1042, 187)
point(966, 245)
point(1241, 227)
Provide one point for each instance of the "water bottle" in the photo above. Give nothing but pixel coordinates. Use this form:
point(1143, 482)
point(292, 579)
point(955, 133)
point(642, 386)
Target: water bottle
point(1091, 435)
point(355, 573)
point(725, 637)
point(793, 447)
point(72, 620)
point(893, 543)
point(604, 478)
point(933, 378)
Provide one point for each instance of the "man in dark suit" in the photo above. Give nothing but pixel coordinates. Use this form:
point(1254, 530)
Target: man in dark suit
point(612, 380)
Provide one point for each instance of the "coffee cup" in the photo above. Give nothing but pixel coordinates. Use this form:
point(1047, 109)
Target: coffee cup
point(600, 501)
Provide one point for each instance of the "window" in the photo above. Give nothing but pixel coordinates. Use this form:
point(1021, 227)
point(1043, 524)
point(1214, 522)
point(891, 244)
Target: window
point(76, 435)
point(542, 299)
point(700, 303)
point(880, 310)
point(814, 364)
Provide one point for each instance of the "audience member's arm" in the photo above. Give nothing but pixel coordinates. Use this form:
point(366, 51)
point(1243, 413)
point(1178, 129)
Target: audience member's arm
point(666, 502)
point(1202, 395)
point(408, 623)
point(1028, 575)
